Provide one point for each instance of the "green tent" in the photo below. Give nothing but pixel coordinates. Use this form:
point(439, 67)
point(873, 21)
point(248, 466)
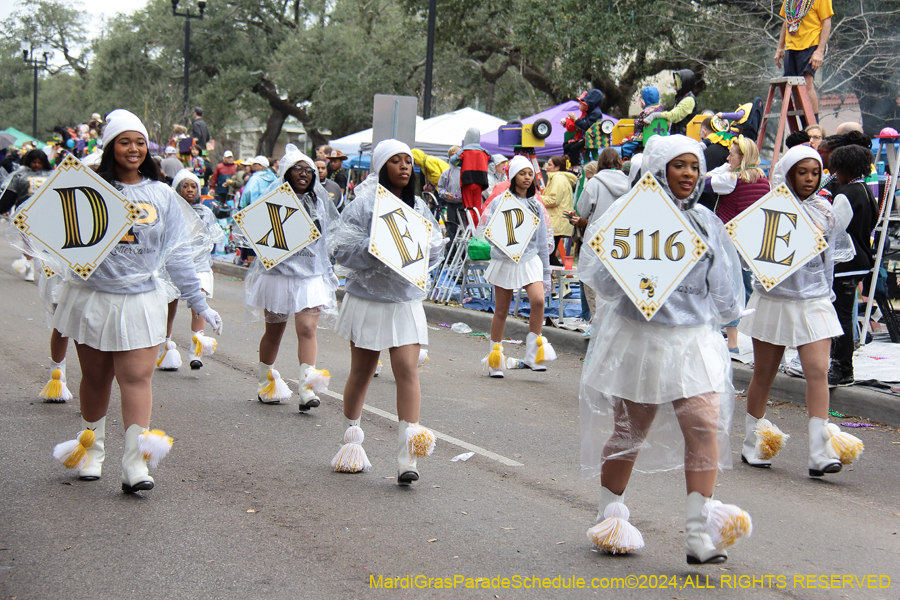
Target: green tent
point(20, 138)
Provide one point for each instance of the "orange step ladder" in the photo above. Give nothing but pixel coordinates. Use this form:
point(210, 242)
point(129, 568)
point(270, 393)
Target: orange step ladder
point(795, 103)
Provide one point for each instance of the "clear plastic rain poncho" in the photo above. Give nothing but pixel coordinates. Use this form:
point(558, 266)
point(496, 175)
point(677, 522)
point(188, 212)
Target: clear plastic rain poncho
point(308, 268)
point(641, 378)
point(157, 250)
point(539, 244)
point(815, 279)
point(211, 234)
point(367, 277)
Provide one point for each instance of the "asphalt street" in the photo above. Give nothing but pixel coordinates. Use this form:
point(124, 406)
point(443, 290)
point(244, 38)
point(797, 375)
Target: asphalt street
point(247, 506)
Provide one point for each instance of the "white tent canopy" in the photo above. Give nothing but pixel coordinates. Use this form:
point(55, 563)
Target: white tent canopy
point(433, 136)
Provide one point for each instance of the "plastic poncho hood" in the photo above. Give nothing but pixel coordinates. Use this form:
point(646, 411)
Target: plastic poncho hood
point(661, 152)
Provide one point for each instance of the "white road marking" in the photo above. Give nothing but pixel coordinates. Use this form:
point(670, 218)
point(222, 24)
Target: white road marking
point(441, 436)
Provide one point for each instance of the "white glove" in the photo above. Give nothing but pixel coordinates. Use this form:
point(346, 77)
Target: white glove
point(652, 117)
point(213, 318)
point(746, 312)
point(548, 288)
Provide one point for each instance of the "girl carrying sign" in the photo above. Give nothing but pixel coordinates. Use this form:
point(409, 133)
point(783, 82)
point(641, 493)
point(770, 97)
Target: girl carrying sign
point(118, 316)
point(663, 387)
point(798, 313)
point(531, 272)
point(382, 311)
point(302, 285)
point(187, 185)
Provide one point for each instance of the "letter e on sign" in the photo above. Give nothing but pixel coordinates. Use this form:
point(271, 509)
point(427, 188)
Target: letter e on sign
point(775, 236)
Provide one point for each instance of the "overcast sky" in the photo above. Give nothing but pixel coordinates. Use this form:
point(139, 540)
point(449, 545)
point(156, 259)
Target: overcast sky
point(98, 9)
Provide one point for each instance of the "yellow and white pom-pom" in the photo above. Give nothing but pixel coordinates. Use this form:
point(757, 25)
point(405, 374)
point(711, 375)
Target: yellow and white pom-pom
point(276, 389)
point(73, 454)
point(316, 380)
point(56, 389)
point(170, 359)
point(615, 535)
point(726, 524)
point(840, 445)
point(351, 458)
point(423, 356)
point(419, 440)
point(769, 439)
point(544, 350)
point(153, 445)
point(495, 359)
point(203, 344)
point(378, 368)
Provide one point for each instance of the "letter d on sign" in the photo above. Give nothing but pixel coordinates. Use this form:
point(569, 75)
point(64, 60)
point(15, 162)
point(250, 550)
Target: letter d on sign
point(70, 216)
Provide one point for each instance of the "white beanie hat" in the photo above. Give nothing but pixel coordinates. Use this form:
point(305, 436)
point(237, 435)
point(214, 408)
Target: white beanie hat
point(787, 162)
point(292, 156)
point(121, 120)
point(517, 164)
point(385, 150)
point(185, 174)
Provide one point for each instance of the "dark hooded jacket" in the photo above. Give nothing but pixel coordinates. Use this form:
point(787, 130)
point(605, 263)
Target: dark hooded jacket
point(593, 99)
point(688, 80)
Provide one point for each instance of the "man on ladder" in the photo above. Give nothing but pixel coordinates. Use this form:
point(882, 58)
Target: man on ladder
point(804, 33)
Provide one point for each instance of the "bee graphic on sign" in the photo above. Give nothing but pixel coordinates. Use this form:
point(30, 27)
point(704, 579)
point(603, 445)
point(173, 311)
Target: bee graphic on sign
point(648, 285)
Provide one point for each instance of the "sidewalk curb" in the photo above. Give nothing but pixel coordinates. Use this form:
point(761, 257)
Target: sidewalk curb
point(852, 400)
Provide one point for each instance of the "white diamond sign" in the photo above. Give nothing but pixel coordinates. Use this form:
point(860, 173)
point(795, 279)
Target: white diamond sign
point(648, 245)
point(77, 216)
point(511, 226)
point(775, 236)
point(399, 237)
point(277, 226)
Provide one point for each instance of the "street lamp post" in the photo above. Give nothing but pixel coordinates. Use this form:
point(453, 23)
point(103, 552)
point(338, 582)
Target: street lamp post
point(187, 47)
point(29, 53)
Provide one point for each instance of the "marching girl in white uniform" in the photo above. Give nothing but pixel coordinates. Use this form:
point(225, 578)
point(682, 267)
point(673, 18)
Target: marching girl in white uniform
point(301, 286)
point(118, 317)
point(532, 272)
point(798, 312)
point(657, 395)
point(187, 185)
point(382, 311)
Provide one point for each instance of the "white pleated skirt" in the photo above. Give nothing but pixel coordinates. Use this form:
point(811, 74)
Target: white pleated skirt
point(382, 325)
point(48, 288)
point(207, 282)
point(284, 295)
point(656, 364)
point(510, 275)
point(110, 322)
point(790, 323)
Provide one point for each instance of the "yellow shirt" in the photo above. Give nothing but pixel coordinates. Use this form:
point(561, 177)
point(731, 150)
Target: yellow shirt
point(810, 27)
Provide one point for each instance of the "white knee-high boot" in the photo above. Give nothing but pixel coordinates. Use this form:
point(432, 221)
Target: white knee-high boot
point(309, 382)
point(56, 390)
point(613, 533)
point(538, 352)
point(144, 448)
point(96, 453)
point(495, 360)
point(819, 460)
point(413, 441)
point(272, 389)
point(697, 544)
point(351, 458)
